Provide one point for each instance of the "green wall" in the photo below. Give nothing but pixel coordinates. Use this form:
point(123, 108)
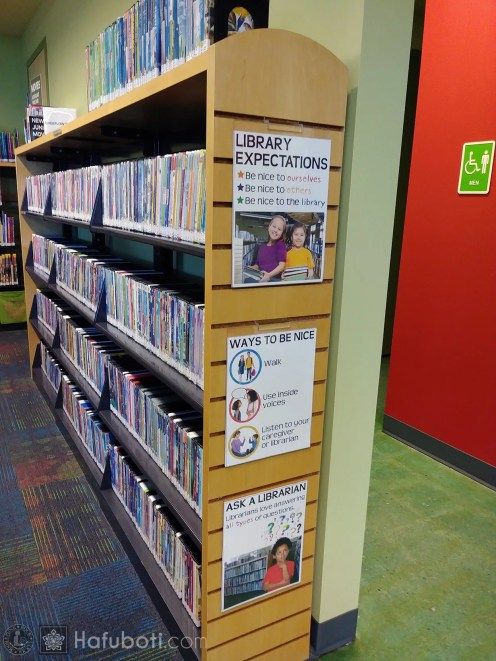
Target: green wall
point(13, 85)
point(68, 26)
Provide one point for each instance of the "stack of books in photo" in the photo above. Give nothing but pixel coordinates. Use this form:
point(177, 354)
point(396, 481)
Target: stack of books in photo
point(158, 528)
point(37, 188)
point(8, 142)
point(51, 367)
point(85, 421)
point(8, 269)
point(246, 573)
point(151, 37)
point(166, 427)
point(86, 348)
point(74, 192)
point(7, 230)
point(164, 196)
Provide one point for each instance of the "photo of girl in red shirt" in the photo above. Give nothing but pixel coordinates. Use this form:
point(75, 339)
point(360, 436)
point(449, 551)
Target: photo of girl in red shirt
point(280, 570)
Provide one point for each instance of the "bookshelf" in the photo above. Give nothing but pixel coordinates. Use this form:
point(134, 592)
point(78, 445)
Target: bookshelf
point(265, 81)
point(12, 315)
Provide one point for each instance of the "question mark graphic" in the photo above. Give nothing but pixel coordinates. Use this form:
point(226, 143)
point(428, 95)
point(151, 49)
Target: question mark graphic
point(287, 526)
point(271, 527)
point(299, 528)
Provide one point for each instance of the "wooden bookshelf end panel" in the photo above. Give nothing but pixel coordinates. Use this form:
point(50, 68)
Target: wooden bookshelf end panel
point(282, 75)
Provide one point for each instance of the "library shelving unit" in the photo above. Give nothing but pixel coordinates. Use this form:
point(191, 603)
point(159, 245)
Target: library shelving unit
point(12, 315)
point(268, 81)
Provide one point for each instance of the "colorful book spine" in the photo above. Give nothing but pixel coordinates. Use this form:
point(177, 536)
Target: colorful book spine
point(8, 269)
point(51, 367)
point(7, 230)
point(37, 188)
point(74, 192)
point(158, 529)
point(8, 142)
point(86, 422)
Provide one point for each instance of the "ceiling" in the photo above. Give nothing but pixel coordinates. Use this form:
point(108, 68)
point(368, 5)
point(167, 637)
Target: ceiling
point(15, 16)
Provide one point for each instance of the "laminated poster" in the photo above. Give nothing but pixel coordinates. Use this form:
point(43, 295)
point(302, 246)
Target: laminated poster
point(269, 394)
point(263, 543)
point(280, 191)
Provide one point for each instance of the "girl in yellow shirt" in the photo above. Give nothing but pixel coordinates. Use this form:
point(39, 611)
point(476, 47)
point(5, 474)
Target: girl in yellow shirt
point(299, 260)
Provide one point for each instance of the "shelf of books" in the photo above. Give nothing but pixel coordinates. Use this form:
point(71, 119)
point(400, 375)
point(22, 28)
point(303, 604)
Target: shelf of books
point(12, 306)
point(192, 377)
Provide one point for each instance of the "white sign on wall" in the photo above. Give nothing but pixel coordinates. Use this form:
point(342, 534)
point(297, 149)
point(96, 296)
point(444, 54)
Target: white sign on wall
point(269, 394)
point(262, 543)
point(280, 190)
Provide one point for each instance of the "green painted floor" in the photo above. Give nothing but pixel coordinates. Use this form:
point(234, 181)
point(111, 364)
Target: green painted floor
point(428, 586)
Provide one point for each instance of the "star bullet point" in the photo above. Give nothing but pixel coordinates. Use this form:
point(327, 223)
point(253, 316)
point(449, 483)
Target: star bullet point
point(240, 200)
point(241, 175)
point(240, 186)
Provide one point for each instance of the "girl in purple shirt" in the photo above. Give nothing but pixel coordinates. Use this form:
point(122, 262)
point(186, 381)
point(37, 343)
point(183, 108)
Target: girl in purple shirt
point(271, 256)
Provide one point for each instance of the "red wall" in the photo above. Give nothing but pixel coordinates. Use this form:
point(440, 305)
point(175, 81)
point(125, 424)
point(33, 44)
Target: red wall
point(443, 362)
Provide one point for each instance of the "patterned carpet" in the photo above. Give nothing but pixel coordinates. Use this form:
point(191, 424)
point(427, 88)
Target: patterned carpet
point(61, 564)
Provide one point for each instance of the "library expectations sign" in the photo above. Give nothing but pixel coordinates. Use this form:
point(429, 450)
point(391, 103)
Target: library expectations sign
point(269, 394)
point(280, 190)
point(262, 543)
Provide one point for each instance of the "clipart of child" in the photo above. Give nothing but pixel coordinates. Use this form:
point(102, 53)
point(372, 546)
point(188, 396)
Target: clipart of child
point(299, 261)
point(270, 258)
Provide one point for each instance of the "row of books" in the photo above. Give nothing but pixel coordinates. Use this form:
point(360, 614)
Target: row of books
point(7, 230)
point(51, 367)
point(8, 142)
point(150, 515)
point(164, 196)
point(85, 420)
point(243, 579)
point(37, 188)
point(163, 314)
point(159, 529)
point(164, 425)
point(74, 192)
point(240, 570)
point(150, 38)
point(86, 348)
point(8, 269)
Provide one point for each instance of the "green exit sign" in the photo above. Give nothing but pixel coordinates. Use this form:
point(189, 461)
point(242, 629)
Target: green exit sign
point(476, 168)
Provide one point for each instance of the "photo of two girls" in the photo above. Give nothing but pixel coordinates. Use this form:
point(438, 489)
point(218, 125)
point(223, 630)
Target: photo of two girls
point(277, 248)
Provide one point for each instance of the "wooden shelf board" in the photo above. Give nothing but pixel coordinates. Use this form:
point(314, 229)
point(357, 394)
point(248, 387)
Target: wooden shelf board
point(153, 240)
point(7, 164)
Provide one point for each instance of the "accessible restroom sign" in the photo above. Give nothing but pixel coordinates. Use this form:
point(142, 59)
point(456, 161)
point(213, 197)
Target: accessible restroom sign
point(476, 168)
